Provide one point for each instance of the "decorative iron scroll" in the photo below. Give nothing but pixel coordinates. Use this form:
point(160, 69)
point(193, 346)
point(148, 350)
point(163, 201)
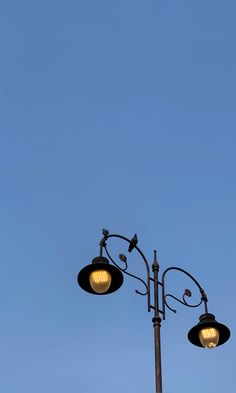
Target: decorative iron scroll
point(187, 293)
point(147, 292)
point(132, 245)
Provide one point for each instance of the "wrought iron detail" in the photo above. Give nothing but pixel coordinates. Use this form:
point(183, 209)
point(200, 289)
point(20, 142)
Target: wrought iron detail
point(124, 270)
point(187, 293)
point(180, 301)
point(132, 245)
point(123, 259)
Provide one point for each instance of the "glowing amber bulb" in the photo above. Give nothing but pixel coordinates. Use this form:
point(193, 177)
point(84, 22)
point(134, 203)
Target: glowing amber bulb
point(100, 280)
point(209, 337)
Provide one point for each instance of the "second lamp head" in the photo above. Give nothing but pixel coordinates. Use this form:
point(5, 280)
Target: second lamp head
point(208, 333)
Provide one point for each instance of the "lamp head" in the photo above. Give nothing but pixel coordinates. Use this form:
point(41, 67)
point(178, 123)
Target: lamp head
point(100, 277)
point(208, 333)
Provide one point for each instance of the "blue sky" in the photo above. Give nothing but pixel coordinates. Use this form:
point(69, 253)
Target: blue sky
point(118, 115)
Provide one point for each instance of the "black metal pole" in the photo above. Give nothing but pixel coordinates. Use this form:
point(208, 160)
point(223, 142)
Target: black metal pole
point(157, 327)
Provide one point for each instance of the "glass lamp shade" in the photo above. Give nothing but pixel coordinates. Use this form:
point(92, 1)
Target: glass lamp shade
point(100, 280)
point(209, 337)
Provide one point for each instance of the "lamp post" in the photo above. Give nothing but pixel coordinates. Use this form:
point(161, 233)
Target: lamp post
point(101, 278)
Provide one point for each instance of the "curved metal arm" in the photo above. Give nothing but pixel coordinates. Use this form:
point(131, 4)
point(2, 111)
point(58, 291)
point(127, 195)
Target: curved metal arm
point(186, 293)
point(123, 258)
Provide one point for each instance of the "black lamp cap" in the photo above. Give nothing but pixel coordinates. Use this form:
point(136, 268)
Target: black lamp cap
point(97, 264)
point(100, 259)
point(208, 320)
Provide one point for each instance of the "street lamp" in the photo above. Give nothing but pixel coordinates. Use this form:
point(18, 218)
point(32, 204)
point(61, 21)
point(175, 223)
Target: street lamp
point(101, 278)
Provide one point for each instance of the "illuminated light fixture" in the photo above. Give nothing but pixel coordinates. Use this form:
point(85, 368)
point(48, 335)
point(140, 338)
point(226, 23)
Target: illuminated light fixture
point(100, 280)
point(209, 337)
point(208, 333)
point(100, 277)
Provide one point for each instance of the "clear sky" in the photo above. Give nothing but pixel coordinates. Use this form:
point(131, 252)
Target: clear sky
point(115, 114)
